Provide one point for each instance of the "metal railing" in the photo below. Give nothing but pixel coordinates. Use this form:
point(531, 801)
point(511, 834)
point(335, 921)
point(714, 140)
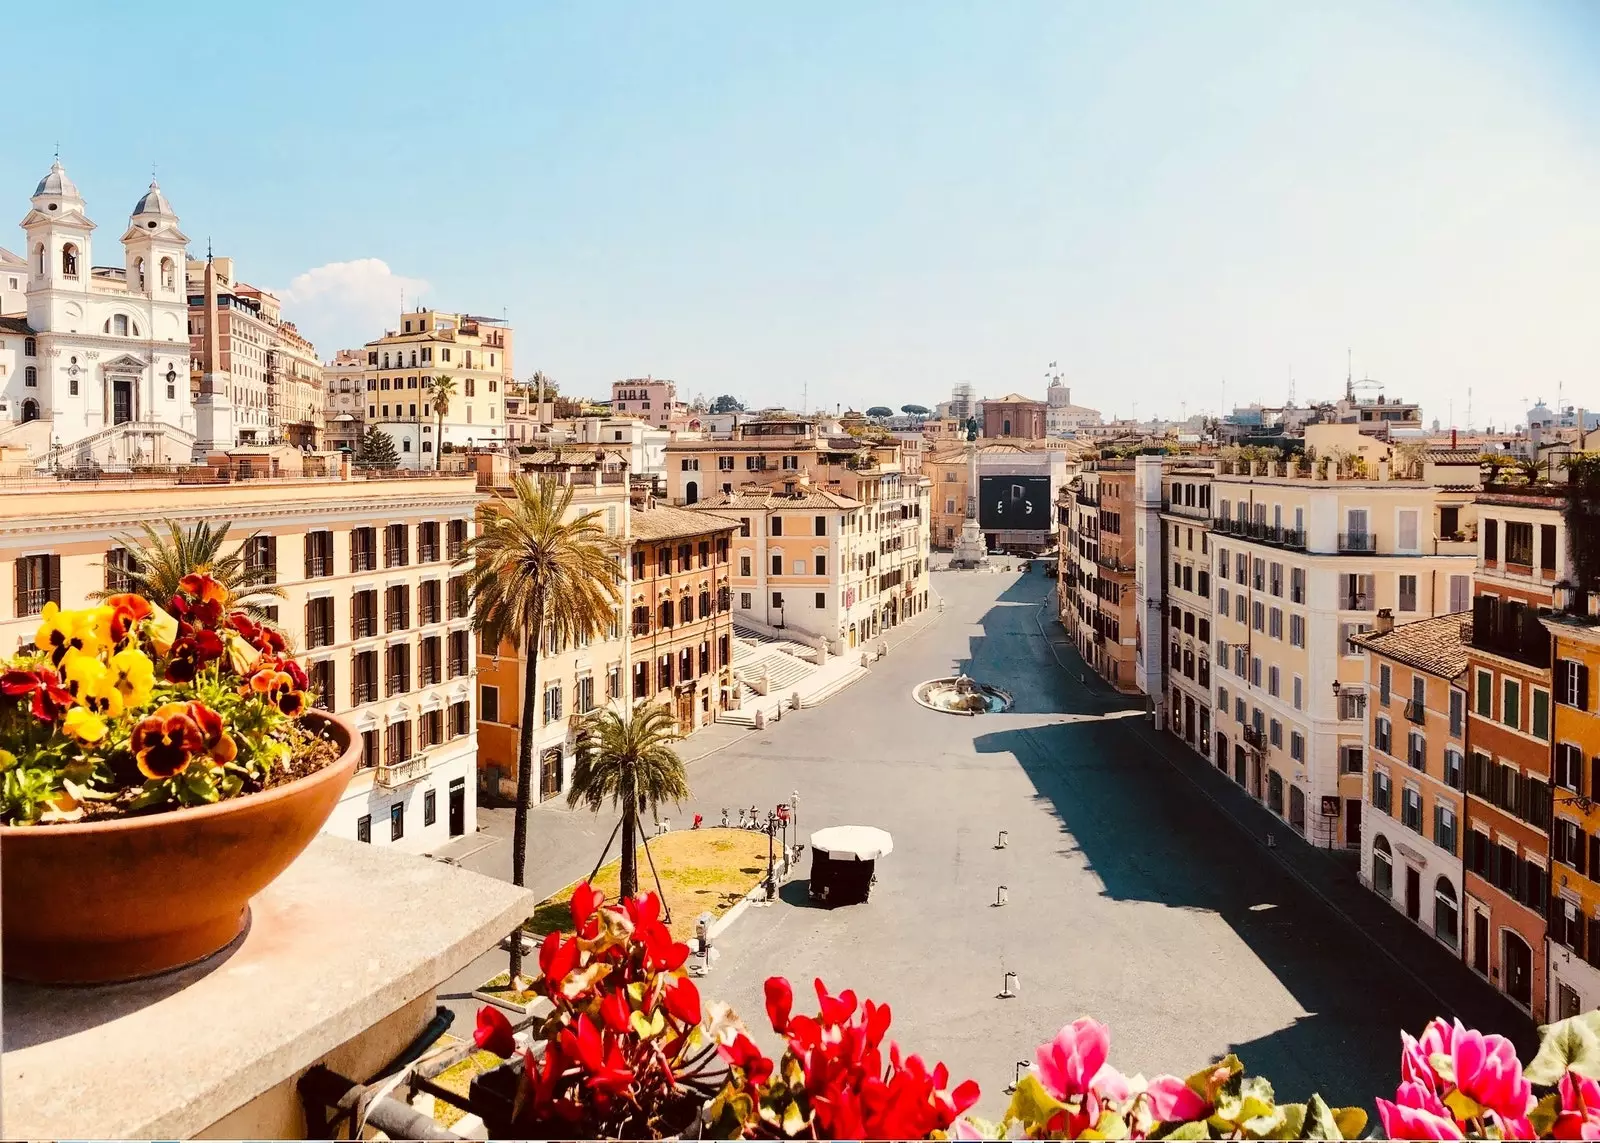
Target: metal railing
point(1416, 712)
point(392, 775)
point(1358, 543)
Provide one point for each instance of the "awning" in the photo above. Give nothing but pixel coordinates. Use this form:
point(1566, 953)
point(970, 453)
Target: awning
point(853, 843)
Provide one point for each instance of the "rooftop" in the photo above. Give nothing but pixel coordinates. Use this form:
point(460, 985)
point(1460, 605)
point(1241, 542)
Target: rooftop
point(664, 522)
point(766, 499)
point(347, 937)
point(1438, 645)
point(15, 324)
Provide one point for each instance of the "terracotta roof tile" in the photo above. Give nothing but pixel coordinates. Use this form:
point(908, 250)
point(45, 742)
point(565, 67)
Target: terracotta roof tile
point(664, 522)
point(1435, 645)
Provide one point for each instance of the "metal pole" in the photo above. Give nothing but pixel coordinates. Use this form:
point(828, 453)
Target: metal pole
point(772, 872)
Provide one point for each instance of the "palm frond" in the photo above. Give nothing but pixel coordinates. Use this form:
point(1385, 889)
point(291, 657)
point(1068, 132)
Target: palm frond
point(161, 562)
point(625, 754)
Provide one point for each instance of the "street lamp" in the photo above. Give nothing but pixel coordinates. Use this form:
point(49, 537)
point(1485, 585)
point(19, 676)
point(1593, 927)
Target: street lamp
point(772, 873)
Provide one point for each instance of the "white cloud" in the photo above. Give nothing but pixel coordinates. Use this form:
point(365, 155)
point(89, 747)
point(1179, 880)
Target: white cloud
point(341, 305)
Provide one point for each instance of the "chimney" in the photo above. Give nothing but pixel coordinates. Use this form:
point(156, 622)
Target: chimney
point(1385, 622)
point(1452, 438)
point(212, 352)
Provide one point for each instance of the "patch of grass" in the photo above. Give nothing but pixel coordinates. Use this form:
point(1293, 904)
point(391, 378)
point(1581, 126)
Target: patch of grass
point(702, 871)
point(458, 1078)
point(500, 986)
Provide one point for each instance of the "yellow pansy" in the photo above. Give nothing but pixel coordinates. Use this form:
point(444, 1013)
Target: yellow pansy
point(98, 621)
point(133, 675)
point(162, 629)
point(61, 632)
point(84, 725)
point(92, 683)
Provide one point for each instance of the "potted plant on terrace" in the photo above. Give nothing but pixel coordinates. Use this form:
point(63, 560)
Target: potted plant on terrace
point(159, 766)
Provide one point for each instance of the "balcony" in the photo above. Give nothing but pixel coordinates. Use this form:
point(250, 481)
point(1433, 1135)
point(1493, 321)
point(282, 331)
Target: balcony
point(1509, 630)
point(1416, 712)
point(1254, 739)
point(1358, 543)
point(318, 566)
point(1274, 534)
point(393, 776)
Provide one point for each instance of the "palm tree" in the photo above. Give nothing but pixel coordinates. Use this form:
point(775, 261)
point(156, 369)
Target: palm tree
point(539, 569)
point(625, 757)
point(440, 390)
point(157, 563)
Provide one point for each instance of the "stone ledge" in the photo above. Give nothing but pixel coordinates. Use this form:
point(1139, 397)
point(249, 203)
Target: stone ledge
point(348, 936)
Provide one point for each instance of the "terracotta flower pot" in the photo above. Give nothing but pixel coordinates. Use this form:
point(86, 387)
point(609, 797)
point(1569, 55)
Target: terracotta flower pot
point(95, 902)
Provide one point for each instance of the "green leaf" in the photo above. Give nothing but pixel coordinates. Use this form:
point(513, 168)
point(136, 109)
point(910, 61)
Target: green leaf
point(1031, 1104)
point(1573, 1043)
point(1461, 1105)
point(1294, 1123)
point(1543, 1116)
point(1192, 1130)
point(794, 1120)
point(1319, 1120)
point(1111, 1126)
point(1352, 1121)
point(1211, 1079)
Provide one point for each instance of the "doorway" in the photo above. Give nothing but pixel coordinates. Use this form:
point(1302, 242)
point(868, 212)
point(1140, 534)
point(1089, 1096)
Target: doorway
point(1352, 822)
point(1480, 942)
point(691, 492)
point(1413, 893)
point(121, 401)
point(686, 711)
point(1188, 719)
point(458, 807)
point(550, 773)
point(1519, 970)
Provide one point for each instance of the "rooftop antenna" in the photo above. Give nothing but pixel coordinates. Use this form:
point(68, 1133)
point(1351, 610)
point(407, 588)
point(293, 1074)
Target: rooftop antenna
point(1291, 384)
point(1349, 378)
point(805, 390)
point(58, 150)
point(1469, 408)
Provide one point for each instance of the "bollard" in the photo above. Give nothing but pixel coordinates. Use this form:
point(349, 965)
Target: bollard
point(760, 720)
point(1000, 842)
point(1008, 990)
point(1016, 1075)
point(1000, 896)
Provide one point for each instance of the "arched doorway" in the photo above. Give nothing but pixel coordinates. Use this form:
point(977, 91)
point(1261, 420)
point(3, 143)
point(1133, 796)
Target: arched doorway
point(550, 773)
point(1382, 868)
point(30, 410)
point(691, 492)
point(1297, 808)
point(1445, 913)
point(1275, 792)
point(1518, 963)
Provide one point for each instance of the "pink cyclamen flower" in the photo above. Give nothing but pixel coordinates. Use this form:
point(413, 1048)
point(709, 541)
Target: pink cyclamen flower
point(1487, 1069)
point(1173, 1101)
point(1417, 1113)
point(1074, 1063)
point(1579, 1117)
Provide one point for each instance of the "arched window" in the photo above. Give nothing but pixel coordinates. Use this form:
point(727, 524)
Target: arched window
point(168, 270)
point(38, 259)
point(138, 273)
point(1444, 911)
point(30, 347)
point(118, 325)
point(1382, 868)
point(69, 260)
point(386, 361)
point(664, 614)
point(30, 410)
point(30, 377)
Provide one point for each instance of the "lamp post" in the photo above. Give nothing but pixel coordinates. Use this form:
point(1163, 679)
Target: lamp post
point(772, 873)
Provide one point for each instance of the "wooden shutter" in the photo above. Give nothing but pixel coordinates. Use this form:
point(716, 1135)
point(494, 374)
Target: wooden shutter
point(1491, 539)
point(1563, 669)
point(1594, 940)
point(20, 571)
point(53, 579)
point(1580, 850)
point(1581, 684)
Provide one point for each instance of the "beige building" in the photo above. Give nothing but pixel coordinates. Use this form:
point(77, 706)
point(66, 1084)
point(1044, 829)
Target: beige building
point(371, 605)
point(1183, 598)
point(344, 410)
point(1305, 553)
point(268, 372)
point(883, 580)
point(648, 399)
point(475, 352)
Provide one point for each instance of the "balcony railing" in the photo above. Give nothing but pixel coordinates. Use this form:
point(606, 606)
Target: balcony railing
point(1358, 543)
point(1358, 601)
point(402, 773)
point(1416, 712)
point(1509, 631)
point(427, 552)
point(1254, 739)
point(318, 566)
point(365, 691)
point(1274, 534)
point(397, 683)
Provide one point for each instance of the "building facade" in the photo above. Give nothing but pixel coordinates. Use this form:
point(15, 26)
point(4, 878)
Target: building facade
point(1014, 416)
point(344, 394)
point(1304, 557)
point(1097, 593)
point(1009, 521)
point(1412, 833)
point(474, 352)
point(370, 602)
point(1510, 734)
point(99, 375)
point(1179, 583)
point(652, 401)
point(1573, 942)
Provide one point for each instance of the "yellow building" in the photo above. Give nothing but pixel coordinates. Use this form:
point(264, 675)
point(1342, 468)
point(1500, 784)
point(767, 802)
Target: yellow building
point(371, 604)
point(1306, 553)
point(1573, 952)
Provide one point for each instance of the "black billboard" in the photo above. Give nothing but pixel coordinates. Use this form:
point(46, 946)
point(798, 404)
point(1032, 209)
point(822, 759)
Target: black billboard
point(1014, 503)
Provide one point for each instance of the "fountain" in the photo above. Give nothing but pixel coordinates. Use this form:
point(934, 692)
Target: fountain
point(961, 695)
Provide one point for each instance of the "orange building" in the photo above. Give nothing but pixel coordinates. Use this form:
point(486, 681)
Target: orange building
point(1098, 601)
point(1416, 755)
point(680, 611)
point(1574, 938)
point(1522, 554)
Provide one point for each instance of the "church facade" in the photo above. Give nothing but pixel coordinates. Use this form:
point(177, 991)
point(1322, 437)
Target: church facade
point(95, 372)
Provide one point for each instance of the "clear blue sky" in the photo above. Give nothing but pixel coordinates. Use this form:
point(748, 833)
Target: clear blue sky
point(876, 200)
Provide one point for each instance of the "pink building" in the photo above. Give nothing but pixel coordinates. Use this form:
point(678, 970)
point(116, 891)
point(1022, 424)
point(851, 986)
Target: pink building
point(647, 399)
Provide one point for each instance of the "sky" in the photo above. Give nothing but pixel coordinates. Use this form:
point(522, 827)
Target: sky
point(856, 203)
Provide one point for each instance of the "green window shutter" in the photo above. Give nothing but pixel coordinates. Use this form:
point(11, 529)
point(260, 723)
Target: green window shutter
point(1541, 715)
point(1485, 694)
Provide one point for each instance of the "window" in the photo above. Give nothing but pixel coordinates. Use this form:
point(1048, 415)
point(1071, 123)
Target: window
point(397, 607)
point(777, 563)
point(38, 580)
point(1484, 707)
point(1541, 713)
point(1417, 751)
point(1272, 681)
point(395, 546)
point(1408, 593)
point(363, 549)
point(1298, 692)
point(1411, 809)
point(552, 703)
point(1297, 585)
point(822, 600)
point(397, 819)
point(1460, 593)
point(364, 678)
point(261, 554)
point(777, 525)
point(1297, 631)
point(1444, 828)
point(1452, 767)
point(319, 554)
point(1445, 915)
point(1572, 683)
point(1222, 601)
point(1569, 767)
point(1385, 680)
point(1519, 543)
point(364, 828)
point(1382, 869)
point(1275, 733)
point(430, 807)
point(120, 564)
point(822, 565)
point(1380, 734)
point(1297, 746)
point(1382, 792)
point(1511, 703)
point(1407, 538)
point(398, 669)
point(489, 703)
point(320, 676)
point(319, 622)
point(1275, 623)
point(1458, 712)
point(744, 600)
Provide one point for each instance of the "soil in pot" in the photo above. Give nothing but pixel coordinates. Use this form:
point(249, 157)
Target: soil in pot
point(110, 900)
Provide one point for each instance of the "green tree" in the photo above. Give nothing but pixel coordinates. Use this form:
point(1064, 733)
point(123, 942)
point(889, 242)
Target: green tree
point(540, 572)
point(377, 450)
point(880, 411)
point(914, 410)
point(156, 564)
point(440, 390)
point(727, 403)
point(626, 758)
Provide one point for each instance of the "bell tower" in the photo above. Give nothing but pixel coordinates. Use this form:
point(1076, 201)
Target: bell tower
point(58, 254)
point(155, 250)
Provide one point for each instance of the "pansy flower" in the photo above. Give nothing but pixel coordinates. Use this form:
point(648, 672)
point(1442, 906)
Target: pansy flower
point(133, 675)
point(84, 725)
point(125, 612)
point(61, 632)
point(92, 683)
point(200, 600)
point(278, 688)
point(164, 743)
point(191, 653)
point(218, 742)
point(47, 698)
